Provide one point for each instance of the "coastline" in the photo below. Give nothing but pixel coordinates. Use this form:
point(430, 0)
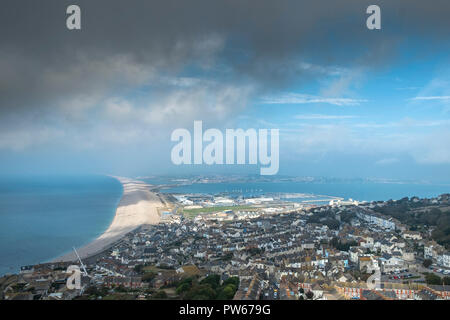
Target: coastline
point(137, 207)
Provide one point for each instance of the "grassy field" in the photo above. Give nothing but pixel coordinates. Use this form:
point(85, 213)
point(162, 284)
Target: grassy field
point(190, 213)
point(191, 270)
point(152, 268)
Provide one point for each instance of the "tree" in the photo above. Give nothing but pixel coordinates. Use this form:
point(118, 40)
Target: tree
point(232, 280)
point(183, 288)
point(332, 224)
point(138, 268)
point(446, 281)
point(161, 294)
point(227, 293)
point(431, 278)
point(95, 291)
point(200, 292)
point(121, 288)
point(342, 246)
point(213, 280)
point(427, 262)
point(148, 277)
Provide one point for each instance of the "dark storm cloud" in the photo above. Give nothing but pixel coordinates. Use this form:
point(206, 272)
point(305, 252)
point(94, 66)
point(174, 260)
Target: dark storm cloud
point(42, 63)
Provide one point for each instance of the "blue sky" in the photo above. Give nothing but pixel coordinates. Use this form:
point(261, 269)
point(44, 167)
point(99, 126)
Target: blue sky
point(387, 122)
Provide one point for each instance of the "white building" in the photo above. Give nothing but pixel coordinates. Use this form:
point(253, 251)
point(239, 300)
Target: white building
point(258, 200)
point(428, 251)
point(385, 223)
point(444, 260)
point(413, 235)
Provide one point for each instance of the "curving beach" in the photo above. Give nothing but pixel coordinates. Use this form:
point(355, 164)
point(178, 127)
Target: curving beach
point(137, 207)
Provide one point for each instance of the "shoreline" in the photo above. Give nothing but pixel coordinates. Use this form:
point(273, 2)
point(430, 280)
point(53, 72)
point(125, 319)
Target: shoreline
point(137, 207)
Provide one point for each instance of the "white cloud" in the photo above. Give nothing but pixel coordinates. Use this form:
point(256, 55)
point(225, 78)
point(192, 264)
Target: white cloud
point(21, 139)
point(323, 70)
point(404, 123)
point(128, 121)
point(208, 103)
point(432, 148)
point(323, 117)
point(387, 161)
point(437, 89)
point(296, 98)
point(431, 98)
point(389, 145)
point(118, 108)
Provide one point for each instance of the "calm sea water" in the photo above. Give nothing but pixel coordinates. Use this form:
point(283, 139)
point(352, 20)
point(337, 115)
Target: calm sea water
point(44, 217)
point(362, 191)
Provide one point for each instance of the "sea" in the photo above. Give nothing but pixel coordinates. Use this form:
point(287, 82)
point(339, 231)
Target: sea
point(361, 190)
point(43, 217)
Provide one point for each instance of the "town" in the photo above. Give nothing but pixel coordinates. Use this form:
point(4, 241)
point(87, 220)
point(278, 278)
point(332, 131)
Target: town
point(221, 247)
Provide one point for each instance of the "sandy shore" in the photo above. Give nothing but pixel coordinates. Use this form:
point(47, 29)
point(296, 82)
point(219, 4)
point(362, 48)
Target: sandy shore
point(137, 207)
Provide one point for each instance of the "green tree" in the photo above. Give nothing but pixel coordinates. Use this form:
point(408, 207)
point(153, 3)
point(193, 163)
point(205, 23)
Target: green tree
point(227, 292)
point(433, 279)
point(139, 268)
point(161, 294)
point(183, 288)
point(213, 280)
point(148, 276)
point(232, 280)
point(200, 292)
point(427, 262)
point(121, 288)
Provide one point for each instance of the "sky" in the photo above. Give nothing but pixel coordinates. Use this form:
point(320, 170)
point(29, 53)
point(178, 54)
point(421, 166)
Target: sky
point(349, 102)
